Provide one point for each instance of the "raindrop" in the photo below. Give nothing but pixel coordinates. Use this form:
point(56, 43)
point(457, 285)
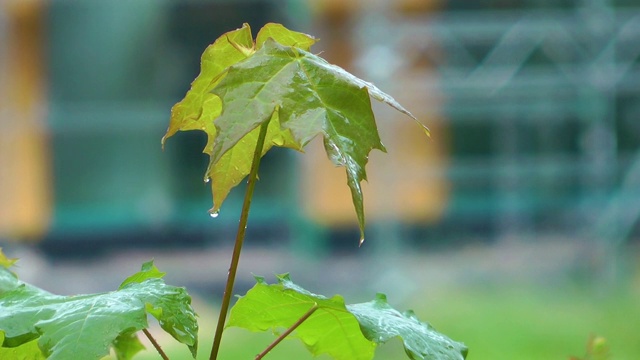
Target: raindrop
point(207, 179)
point(361, 241)
point(214, 214)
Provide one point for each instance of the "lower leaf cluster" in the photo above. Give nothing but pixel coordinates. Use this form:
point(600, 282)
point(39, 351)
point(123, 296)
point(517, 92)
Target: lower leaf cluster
point(345, 332)
point(35, 324)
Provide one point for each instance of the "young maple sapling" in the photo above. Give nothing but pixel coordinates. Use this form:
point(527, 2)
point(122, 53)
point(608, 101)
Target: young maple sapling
point(252, 95)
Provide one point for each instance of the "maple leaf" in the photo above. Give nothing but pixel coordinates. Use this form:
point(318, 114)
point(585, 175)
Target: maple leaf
point(200, 107)
point(35, 324)
point(381, 323)
point(331, 329)
point(277, 80)
point(342, 331)
point(311, 98)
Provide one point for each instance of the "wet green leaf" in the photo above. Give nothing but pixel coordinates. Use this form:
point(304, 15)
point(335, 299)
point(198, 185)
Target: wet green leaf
point(87, 326)
point(277, 79)
point(200, 107)
point(331, 329)
point(233, 166)
point(342, 331)
point(380, 323)
point(312, 97)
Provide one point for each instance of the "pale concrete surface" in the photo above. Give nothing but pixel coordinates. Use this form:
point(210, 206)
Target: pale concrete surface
point(359, 275)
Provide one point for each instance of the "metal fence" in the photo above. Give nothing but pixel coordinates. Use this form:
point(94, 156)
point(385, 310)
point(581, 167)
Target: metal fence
point(542, 104)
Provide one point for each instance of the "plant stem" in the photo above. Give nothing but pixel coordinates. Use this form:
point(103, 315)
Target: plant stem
point(289, 331)
point(155, 344)
point(242, 227)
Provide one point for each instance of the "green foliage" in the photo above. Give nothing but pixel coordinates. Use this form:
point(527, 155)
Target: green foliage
point(35, 324)
point(200, 106)
point(380, 323)
point(331, 329)
point(342, 331)
point(244, 84)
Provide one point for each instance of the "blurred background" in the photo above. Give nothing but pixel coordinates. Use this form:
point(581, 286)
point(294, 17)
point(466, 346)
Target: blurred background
point(513, 229)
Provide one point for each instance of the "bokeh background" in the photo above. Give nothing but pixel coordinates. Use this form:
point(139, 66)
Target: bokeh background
point(514, 228)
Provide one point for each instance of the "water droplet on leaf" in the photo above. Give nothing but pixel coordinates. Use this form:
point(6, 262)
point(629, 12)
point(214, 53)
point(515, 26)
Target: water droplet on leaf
point(214, 214)
point(207, 179)
point(361, 241)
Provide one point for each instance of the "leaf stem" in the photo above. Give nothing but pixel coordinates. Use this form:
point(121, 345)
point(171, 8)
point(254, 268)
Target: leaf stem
point(289, 331)
point(242, 227)
point(155, 344)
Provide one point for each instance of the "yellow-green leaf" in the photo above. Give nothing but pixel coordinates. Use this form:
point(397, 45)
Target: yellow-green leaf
point(6, 262)
point(331, 329)
point(284, 36)
point(233, 166)
point(199, 108)
point(243, 84)
point(313, 98)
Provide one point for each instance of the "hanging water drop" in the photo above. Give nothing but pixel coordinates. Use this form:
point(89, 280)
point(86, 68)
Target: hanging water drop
point(214, 214)
point(361, 241)
point(207, 179)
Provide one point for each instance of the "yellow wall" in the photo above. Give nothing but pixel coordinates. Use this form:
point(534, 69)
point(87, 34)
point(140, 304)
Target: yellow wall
point(408, 183)
point(24, 160)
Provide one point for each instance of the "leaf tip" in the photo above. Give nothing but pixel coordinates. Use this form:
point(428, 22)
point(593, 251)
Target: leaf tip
point(382, 297)
point(150, 267)
point(170, 132)
point(5, 261)
point(147, 265)
point(424, 128)
point(283, 277)
point(412, 315)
